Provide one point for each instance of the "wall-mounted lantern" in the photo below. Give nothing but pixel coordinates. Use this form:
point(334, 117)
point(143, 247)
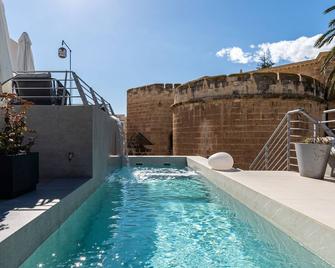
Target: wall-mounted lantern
point(62, 52)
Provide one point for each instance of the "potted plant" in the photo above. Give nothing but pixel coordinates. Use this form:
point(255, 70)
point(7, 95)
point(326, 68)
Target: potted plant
point(312, 156)
point(19, 167)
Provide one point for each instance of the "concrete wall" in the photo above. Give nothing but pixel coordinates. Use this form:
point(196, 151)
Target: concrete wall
point(158, 161)
point(107, 143)
point(86, 132)
point(63, 130)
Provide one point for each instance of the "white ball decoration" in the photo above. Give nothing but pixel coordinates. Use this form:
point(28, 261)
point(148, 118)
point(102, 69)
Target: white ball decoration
point(221, 161)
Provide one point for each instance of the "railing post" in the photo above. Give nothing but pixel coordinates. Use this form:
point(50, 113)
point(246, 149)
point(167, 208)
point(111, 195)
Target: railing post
point(64, 95)
point(288, 140)
point(314, 132)
point(93, 96)
point(266, 156)
point(104, 104)
point(323, 124)
point(80, 89)
point(324, 118)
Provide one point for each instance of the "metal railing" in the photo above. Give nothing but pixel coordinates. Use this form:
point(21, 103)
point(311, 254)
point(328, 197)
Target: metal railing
point(328, 118)
point(278, 153)
point(56, 88)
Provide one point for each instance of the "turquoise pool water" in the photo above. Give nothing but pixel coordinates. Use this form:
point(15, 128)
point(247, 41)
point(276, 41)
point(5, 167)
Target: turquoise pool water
point(167, 217)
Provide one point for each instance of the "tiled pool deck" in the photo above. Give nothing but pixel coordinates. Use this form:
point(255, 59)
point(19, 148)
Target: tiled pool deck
point(301, 207)
point(314, 198)
point(16, 213)
point(28, 220)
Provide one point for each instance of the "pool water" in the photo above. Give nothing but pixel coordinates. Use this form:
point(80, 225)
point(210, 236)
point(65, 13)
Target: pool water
point(167, 217)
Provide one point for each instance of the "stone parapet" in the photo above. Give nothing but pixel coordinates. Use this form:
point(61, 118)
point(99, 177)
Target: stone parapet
point(249, 84)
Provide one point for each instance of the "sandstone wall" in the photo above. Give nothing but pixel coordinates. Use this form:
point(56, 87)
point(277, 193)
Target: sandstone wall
point(149, 113)
point(235, 113)
point(238, 113)
point(237, 126)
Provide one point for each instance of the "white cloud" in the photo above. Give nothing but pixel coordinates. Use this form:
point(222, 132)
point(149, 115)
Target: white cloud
point(234, 54)
point(299, 49)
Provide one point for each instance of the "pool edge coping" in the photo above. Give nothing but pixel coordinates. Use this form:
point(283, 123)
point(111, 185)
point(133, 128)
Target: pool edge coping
point(36, 231)
point(279, 215)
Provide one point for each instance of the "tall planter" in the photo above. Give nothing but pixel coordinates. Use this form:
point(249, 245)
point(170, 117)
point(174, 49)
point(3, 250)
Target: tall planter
point(312, 159)
point(19, 174)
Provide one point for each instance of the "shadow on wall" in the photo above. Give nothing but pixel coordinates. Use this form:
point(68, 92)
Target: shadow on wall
point(137, 145)
point(3, 215)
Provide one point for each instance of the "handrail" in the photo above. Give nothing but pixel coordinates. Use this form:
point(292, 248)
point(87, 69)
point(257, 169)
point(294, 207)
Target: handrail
point(271, 137)
point(71, 86)
point(276, 154)
point(329, 111)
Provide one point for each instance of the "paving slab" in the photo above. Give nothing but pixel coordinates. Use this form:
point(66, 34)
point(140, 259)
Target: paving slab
point(16, 213)
point(26, 221)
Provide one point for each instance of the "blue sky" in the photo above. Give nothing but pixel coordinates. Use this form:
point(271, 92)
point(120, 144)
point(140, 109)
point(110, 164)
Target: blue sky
point(119, 44)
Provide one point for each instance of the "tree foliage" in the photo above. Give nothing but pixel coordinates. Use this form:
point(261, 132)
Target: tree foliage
point(265, 60)
point(328, 64)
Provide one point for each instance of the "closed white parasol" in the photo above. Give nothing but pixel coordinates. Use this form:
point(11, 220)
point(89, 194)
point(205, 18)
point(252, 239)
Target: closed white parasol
point(25, 60)
point(13, 48)
point(6, 70)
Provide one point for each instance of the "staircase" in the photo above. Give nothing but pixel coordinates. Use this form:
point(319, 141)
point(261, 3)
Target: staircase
point(278, 153)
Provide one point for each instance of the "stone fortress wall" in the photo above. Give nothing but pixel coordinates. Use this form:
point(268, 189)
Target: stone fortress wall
point(238, 113)
point(149, 119)
point(235, 113)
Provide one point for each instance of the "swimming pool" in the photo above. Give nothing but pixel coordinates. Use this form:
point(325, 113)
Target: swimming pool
point(167, 217)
